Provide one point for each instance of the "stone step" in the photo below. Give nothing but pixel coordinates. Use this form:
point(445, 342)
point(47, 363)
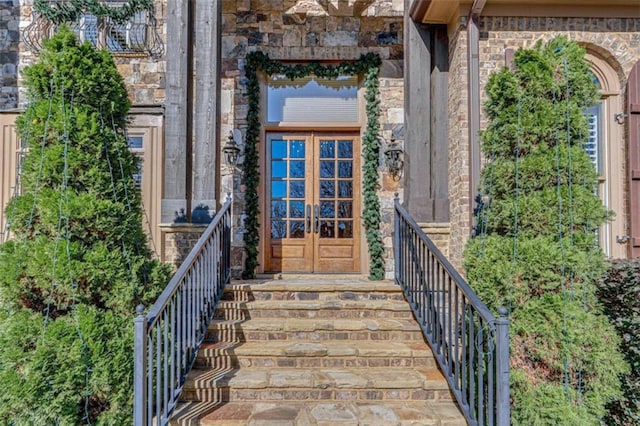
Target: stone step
point(311, 290)
point(288, 413)
point(391, 329)
point(301, 354)
point(318, 384)
point(239, 310)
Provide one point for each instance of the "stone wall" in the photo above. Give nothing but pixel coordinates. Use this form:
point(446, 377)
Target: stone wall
point(143, 76)
point(9, 53)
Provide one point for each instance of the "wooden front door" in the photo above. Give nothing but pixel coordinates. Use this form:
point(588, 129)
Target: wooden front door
point(312, 203)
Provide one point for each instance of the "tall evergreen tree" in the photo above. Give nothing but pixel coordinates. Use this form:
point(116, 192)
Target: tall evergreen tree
point(535, 249)
point(78, 262)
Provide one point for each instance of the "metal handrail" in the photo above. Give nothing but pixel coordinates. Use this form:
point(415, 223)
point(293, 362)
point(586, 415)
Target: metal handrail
point(470, 345)
point(168, 336)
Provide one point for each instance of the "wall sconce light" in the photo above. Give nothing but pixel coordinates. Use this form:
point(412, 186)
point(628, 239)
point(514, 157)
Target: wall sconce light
point(393, 156)
point(231, 150)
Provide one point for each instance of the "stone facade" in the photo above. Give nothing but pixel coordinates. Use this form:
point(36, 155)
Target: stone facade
point(302, 31)
point(9, 53)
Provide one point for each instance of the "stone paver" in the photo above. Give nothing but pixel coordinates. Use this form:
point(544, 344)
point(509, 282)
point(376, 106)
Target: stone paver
point(326, 351)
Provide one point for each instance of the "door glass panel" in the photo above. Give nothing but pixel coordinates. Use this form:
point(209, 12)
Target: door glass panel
point(296, 208)
point(278, 229)
point(296, 189)
point(296, 229)
point(345, 229)
point(327, 169)
point(345, 189)
point(345, 209)
point(327, 209)
point(326, 229)
point(296, 149)
point(278, 189)
point(278, 169)
point(296, 169)
point(278, 149)
point(345, 149)
point(345, 169)
point(327, 189)
point(327, 149)
point(278, 209)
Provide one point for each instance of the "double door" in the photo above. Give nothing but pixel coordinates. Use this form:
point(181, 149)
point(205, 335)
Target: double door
point(312, 221)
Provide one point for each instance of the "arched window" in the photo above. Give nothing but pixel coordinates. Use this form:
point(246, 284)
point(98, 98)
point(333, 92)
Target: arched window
point(605, 147)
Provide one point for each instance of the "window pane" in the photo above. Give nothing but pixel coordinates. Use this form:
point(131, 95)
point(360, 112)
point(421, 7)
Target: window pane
point(327, 229)
point(134, 142)
point(278, 189)
point(345, 169)
point(296, 189)
point(327, 189)
point(296, 208)
point(327, 209)
point(296, 169)
point(278, 169)
point(327, 169)
point(345, 189)
point(278, 209)
point(327, 149)
point(296, 149)
point(312, 99)
point(278, 149)
point(278, 229)
point(345, 229)
point(296, 229)
point(345, 149)
point(345, 209)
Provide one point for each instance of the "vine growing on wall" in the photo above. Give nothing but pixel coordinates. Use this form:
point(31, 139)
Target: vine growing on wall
point(369, 66)
point(70, 11)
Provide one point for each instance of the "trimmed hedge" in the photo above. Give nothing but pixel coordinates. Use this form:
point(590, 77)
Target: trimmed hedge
point(619, 292)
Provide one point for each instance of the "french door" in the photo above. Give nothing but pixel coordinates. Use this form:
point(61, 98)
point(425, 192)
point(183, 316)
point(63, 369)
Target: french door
point(312, 203)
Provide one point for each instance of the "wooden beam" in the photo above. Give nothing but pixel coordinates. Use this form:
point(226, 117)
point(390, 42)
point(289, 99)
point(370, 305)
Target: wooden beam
point(206, 124)
point(176, 125)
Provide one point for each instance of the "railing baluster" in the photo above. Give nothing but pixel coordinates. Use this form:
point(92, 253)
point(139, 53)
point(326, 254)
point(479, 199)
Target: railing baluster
point(169, 335)
point(469, 344)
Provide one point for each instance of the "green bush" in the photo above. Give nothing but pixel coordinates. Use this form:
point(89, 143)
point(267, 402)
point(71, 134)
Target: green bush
point(535, 250)
point(619, 292)
point(78, 263)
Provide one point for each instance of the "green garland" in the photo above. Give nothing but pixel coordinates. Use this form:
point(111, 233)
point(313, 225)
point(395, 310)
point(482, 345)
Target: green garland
point(61, 12)
point(369, 66)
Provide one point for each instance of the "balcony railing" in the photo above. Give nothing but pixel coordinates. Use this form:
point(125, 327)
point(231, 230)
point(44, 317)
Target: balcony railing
point(470, 345)
point(169, 335)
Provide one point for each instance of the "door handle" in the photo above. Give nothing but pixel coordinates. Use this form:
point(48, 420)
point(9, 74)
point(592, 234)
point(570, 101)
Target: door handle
point(316, 220)
point(308, 219)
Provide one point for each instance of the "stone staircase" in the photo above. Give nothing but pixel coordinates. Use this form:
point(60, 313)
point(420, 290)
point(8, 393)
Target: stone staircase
point(315, 351)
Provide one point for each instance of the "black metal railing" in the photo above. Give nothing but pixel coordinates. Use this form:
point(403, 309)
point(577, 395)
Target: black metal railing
point(469, 343)
point(169, 335)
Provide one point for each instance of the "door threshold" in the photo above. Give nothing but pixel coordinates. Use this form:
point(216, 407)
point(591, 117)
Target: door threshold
point(312, 276)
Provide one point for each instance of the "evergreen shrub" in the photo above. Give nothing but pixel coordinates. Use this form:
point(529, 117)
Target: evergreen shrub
point(78, 263)
point(535, 250)
point(619, 292)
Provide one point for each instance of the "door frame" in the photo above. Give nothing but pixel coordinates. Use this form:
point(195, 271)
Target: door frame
point(313, 129)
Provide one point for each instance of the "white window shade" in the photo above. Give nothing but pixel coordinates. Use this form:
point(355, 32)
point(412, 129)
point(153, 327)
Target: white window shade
point(312, 100)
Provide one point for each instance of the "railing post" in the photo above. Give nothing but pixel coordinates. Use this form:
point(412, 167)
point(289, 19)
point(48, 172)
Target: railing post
point(396, 239)
point(140, 369)
point(503, 403)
